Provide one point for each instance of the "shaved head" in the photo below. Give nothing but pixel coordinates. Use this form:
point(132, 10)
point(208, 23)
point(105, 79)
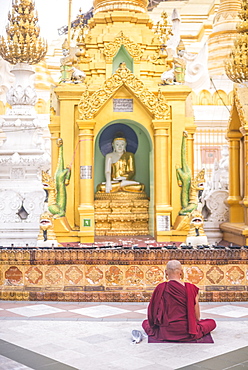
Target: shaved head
point(174, 269)
point(173, 265)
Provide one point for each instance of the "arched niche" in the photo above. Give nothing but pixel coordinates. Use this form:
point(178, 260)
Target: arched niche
point(143, 155)
point(122, 56)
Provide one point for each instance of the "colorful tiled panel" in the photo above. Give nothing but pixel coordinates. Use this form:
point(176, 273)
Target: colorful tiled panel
point(118, 275)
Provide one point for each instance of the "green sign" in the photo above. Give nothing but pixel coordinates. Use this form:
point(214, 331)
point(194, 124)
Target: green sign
point(86, 222)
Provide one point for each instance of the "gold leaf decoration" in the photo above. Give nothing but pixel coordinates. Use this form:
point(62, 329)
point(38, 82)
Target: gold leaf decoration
point(111, 48)
point(89, 105)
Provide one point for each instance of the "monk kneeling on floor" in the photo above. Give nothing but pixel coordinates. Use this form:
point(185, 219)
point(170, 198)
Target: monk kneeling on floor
point(174, 312)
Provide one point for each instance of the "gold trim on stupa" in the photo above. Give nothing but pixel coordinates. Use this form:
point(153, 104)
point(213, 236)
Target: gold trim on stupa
point(111, 5)
point(237, 64)
point(23, 44)
point(223, 35)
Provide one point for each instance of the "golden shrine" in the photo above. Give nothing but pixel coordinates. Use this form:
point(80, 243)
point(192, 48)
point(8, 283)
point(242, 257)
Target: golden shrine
point(123, 59)
point(122, 98)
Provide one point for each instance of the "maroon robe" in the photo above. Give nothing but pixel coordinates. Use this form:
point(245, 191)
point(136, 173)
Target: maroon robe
point(171, 313)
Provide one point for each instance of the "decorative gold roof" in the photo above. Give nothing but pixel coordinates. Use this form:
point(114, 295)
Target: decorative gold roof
point(157, 105)
point(131, 5)
point(23, 44)
point(237, 64)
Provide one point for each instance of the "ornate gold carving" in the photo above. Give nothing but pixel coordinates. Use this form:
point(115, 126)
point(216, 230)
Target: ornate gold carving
point(33, 275)
point(154, 275)
point(134, 276)
point(54, 275)
point(94, 275)
point(121, 196)
point(215, 275)
point(162, 33)
point(89, 105)
point(235, 275)
point(163, 29)
point(236, 65)
point(194, 274)
point(240, 98)
point(114, 276)
point(23, 44)
point(73, 275)
point(111, 48)
point(123, 275)
point(121, 213)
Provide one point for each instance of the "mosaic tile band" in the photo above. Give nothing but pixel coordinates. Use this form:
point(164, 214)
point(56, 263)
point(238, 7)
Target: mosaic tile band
point(118, 275)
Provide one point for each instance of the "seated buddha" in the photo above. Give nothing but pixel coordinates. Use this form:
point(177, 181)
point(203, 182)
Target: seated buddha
point(120, 170)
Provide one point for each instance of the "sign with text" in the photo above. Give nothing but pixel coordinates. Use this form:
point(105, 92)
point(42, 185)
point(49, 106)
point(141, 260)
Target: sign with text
point(163, 223)
point(85, 172)
point(123, 105)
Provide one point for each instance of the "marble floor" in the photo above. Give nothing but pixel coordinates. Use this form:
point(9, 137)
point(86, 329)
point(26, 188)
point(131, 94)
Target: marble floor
point(80, 335)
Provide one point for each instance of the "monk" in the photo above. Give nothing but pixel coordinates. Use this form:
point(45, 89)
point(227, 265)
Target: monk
point(174, 312)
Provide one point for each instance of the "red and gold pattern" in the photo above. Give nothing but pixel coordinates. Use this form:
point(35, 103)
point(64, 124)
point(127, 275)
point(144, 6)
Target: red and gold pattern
point(235, 275)
point(54, 275)
point(134, 276)
point(33, 275)
point(194, 274)
point(118, 275)
point(114, 276)
point(215, 275)
point(154, 275)
point(94, 275)
point(74, 275)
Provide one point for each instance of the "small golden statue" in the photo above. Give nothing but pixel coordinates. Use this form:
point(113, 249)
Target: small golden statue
point(120, 170)
point(180, 64)
point(66, 68)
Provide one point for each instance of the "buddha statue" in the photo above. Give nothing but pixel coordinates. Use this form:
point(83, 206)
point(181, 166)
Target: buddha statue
point(120, 170)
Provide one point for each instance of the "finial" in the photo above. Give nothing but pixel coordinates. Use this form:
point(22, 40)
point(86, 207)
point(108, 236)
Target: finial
point(65, 45)
point(180, 46)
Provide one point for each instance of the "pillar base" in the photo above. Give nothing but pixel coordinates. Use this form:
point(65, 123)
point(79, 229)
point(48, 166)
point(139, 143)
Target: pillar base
point(87, 224)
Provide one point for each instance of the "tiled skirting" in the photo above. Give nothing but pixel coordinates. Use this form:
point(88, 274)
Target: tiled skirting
point(118, 275)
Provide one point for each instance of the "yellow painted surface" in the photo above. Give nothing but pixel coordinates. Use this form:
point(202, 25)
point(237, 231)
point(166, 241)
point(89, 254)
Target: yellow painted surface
point(79, 135)
point(236, 229)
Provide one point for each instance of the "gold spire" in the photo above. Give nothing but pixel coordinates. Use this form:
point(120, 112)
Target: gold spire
point(237, 63)
point(110, 5)
point(23, 44)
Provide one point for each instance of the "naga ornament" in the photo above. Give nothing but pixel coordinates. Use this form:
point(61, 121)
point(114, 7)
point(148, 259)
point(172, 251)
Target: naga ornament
point(190, 187)
point(56, 187)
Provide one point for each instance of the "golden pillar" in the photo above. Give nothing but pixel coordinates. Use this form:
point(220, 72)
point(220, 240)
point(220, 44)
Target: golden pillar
point(244, 131)
point(233, 201)
point(68, 96)
point(54, 128)
point(86, 179)
point(162, 179)
point(190, 147)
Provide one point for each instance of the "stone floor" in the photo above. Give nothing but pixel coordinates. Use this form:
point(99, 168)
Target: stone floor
point(71, 335)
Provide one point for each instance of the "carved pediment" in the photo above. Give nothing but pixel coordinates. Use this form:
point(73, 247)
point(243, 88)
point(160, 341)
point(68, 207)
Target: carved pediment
point(240, 100)
point(89, 105)
point(111, 48)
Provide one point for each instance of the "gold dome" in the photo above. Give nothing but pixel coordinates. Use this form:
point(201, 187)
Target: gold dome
point(110, 5)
